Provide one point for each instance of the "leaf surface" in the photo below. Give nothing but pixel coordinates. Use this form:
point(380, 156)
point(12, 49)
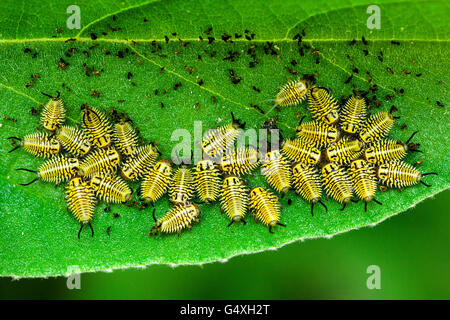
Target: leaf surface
point(38, 235)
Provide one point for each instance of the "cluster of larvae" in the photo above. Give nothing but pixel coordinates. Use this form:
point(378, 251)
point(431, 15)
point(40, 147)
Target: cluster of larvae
point(341, 149)
point(98, 160)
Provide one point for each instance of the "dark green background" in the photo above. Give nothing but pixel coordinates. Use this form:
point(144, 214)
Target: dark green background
point(412, 250)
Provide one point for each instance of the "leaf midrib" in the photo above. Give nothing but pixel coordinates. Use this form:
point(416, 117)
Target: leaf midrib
point(124, 41)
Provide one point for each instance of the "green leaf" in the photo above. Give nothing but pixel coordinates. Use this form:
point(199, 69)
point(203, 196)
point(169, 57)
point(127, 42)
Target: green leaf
point(38, 236)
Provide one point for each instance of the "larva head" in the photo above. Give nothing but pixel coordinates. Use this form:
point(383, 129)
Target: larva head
point(96, 181)
point(74, 165)
point(55, 145)
point(333, 135)
point(383, 171)
point(329, 168)
point(292, 93)
point(85, 147)
point(231, 180)
point(205, 165)
point(256, 191)
point(297, 168)
point(113, 156)
point(49, 125)
point(369, 155)
point(357, 164)
point(272, 156)
point(164, 166)
point(314, 156)
point(127, 172)
point(76, 182)
point(349, 128)
point(330, 154)
point(365, 136)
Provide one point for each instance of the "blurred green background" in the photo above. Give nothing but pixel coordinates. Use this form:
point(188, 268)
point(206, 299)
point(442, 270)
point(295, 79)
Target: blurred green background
point(412, 250)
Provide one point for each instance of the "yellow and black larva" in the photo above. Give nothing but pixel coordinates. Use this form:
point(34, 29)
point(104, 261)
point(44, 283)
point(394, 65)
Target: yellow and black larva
point(218, 140)
point(388, 150)
point(110, 188)
point(156, 181)
point(56, 169)
point(241, 161)
point(317, 133)
point(181, 186)
point(38, 144)
point(297, 150)
point(81, 201)
point(344, 151)
point(336, 182)
point(207, 180)
point(363, 180)
point(234, 199)
point(178, 218)
point(125, 138)
point(323, 105)
point(53, 114)
point(265, 207)
point(292, 93)
point(306, 182)
point(277, 171)
point(140, 162)
point(100, 160)
point(398, 174)
point(378, 126)
point(97, 127)
point(353, 115)
point(73, 140)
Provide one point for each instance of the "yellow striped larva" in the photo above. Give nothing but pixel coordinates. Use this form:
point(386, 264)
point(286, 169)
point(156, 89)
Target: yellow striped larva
point(156, 181)
point(234, 199)
point(317, 133)
point(336, 182)
point(297, 150)
point(181, 186)
point(265, 207)
point(344, 151)
point(306, 182)
point(125, 138)
point(207, 180)
point(100, 160)
point(97, 127)
point(322, 105)
point(81, 200)
point(53, 114)
point(178, 218)
point(353, 115)
point(140, 162)
point(73, 140)
point(241, 161)
point(388, 150)
point(277, 171)
point(398, 174)
point(56, 169)
point(292, 93)
point(363, 179)
point(110, 188)
point(38, 144)
point(378, 126)
point(218, 140)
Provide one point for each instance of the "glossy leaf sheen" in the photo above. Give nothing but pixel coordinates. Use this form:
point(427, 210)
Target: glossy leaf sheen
point(38, 236)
